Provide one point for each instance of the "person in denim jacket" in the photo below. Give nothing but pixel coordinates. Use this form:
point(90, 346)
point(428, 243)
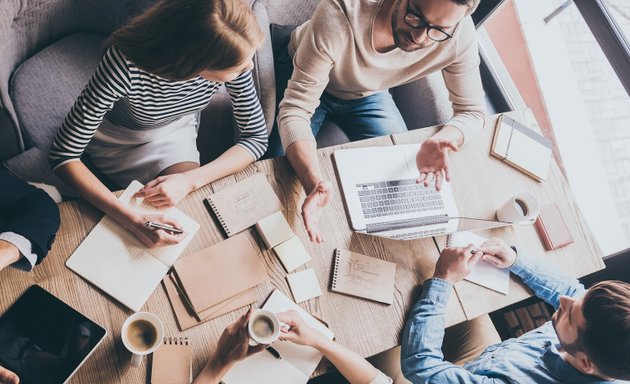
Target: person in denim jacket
point(586, 341)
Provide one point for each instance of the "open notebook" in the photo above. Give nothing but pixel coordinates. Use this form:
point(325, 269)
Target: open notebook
point(115, 261)
point(483, 273)
point(297, 362)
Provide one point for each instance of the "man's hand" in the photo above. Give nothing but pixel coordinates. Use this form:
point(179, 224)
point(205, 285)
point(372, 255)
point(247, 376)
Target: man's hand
point(316, 200)
point(8, 377)
point(497, 253)
point(298, 331)
point(166, 191)
point(455, 264)
point(432, 161)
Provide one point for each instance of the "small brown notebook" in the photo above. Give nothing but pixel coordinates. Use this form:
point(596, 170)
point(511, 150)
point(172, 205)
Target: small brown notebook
point(243, 204)
point(186, 317)
point(552, 229)
point(172, 362)
point(222, 271)
point(363, 276)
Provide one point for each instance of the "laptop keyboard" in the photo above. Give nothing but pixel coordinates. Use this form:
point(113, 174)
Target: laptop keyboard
point(388, 198)
point(418, 234)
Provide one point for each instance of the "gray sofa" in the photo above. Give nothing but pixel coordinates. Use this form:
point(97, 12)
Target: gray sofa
point(51, 47)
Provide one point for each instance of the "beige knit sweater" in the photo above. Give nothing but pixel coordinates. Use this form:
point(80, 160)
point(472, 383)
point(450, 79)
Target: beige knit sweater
point(334, 52)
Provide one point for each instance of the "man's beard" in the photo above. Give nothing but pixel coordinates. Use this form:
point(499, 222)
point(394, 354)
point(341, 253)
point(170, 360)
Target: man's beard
point(571, 349)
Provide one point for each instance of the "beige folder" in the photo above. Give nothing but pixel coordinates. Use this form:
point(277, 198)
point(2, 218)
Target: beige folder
point(185, 316)
point(217, 273)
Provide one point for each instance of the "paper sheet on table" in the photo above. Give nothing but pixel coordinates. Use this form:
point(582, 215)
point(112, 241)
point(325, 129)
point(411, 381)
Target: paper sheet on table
point(483, 273)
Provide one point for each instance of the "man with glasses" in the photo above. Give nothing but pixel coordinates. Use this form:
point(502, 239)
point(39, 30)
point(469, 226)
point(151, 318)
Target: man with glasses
point(344, 61)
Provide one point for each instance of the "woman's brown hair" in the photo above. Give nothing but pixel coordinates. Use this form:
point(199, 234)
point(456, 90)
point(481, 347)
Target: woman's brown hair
point(178, 39)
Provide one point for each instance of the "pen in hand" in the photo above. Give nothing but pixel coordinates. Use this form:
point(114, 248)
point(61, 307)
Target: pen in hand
point(166, 227)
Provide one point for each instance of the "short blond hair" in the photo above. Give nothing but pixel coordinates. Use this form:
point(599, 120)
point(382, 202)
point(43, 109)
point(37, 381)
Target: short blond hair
point(178, 39)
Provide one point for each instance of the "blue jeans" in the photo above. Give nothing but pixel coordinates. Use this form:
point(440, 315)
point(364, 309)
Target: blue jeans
point(371, 116)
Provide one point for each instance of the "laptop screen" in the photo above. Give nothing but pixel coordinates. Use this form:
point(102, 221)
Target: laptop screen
point(43, 340)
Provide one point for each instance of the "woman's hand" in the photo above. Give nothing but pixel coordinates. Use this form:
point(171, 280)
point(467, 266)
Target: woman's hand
point(298, 332)
point(8, 377)
point(233, 346)
point(154, 238)
point(166, 191)
point(312, 208)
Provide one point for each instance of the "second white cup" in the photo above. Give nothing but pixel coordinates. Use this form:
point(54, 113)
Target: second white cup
point(522, 208)
point(263, 327)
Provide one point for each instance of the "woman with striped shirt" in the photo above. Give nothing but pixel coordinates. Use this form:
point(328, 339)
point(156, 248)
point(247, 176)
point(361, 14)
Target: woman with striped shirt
point(137, 117)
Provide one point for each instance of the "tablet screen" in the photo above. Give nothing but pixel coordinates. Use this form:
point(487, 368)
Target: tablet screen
point(43, 340)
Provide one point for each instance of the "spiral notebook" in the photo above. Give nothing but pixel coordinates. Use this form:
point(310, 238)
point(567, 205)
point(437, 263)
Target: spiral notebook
point(172, 362)
point(243, 204)
point(363, 276)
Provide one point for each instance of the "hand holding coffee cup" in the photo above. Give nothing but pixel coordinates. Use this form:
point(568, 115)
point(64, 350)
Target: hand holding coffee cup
point(142, 334)
point(263, 327)
point(522, 208)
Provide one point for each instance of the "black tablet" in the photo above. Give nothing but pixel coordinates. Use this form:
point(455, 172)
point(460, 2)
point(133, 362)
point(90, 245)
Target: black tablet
point(44, 340)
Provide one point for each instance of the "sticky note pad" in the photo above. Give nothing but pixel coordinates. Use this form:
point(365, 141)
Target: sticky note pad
point(291, 253)
point(304, 285)
point(274, 229)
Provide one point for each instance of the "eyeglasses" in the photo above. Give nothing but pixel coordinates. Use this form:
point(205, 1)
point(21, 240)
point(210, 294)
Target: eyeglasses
point(417, 21)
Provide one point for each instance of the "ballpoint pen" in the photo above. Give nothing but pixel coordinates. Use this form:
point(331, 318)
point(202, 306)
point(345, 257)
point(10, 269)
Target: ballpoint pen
point(166, 227)
point(273, 351)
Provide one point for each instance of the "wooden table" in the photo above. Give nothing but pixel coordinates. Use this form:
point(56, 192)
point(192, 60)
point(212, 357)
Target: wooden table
point(364, 326)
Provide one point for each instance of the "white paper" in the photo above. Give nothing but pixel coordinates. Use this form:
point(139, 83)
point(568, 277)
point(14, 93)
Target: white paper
point(483, 273)
point(119, 264)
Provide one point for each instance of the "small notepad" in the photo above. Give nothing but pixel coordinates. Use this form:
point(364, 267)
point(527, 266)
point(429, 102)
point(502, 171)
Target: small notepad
point(172, 362)
point(483, 273)
point(363, 276)
point(274, 229)
point(243, 204)
point(292, 253)
point(304, 285)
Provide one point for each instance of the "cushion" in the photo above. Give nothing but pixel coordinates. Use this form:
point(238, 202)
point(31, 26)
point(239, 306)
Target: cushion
point(45, 86)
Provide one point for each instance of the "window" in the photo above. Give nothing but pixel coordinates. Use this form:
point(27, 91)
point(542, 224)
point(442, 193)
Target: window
point(546, 58)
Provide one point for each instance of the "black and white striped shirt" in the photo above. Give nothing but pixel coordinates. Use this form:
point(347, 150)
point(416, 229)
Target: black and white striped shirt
point(133, 98)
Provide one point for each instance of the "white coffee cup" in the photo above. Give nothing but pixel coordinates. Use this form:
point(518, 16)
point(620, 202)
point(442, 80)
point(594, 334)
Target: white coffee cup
point(263, 327)
point(522, 208)
point(142, 333)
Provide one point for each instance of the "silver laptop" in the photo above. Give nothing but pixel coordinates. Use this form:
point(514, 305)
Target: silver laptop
point(383, 198)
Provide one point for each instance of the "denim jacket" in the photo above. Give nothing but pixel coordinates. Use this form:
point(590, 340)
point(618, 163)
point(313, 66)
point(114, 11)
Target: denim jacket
point(531, 358)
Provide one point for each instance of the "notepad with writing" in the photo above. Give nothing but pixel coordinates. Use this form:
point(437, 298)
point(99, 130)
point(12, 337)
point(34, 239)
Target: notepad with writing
point(296, 363)
point(119, 264)
point(243, 204)
point(522, 148)
point(483, 273)
point(363, 276)
point(172, 362)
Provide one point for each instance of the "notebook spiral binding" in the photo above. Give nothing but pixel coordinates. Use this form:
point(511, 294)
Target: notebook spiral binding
point(333, 285)
point(219, 217)
point(176, 340)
